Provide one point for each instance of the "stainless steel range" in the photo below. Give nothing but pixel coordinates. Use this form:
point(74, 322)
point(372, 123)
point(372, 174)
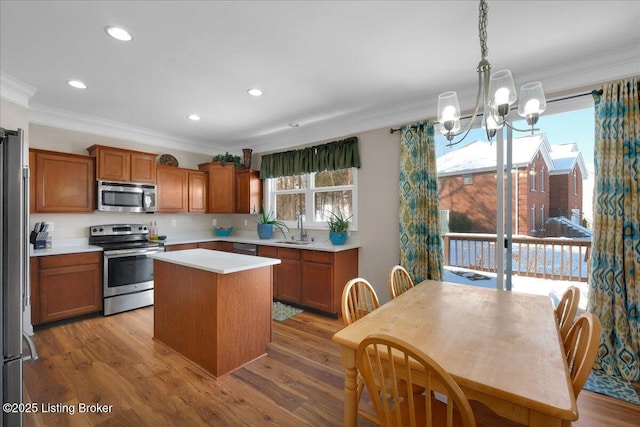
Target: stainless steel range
point(128, 273)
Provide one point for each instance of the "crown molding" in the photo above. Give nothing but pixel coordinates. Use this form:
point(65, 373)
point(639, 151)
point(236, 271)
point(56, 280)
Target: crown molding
point(571, 77)
point(15, 90)
point(47, 116)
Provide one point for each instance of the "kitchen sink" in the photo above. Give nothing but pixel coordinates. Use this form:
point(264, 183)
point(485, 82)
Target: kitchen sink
point(296, 242)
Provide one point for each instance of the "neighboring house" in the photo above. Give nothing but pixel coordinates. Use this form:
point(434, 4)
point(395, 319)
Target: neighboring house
point(566, 180)
point(547, 181)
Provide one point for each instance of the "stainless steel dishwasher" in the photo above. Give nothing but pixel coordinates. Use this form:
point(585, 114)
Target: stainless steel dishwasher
point(245, 248)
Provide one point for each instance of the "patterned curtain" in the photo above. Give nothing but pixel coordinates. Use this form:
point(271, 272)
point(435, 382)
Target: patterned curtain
point(615, 259)
point(420, 240)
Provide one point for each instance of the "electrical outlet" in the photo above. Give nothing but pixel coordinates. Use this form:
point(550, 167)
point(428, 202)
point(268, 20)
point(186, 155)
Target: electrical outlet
point(174, 223)
point(214, 222)
point(246, 222)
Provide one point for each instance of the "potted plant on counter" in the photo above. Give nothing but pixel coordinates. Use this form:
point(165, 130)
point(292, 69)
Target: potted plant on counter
point(266, 222)
point(338, 226)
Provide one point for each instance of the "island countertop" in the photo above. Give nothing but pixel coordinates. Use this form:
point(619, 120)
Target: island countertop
point(214, 261)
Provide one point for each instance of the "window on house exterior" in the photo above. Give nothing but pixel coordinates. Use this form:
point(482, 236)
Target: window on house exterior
point(313, 195)
point(533, 179)
point(467, 179)
point(575, 183)
point(542, 218)
point(542, 180)
point(533, 218)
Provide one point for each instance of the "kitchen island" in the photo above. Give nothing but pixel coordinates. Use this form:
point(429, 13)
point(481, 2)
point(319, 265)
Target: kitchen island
point(214, 308)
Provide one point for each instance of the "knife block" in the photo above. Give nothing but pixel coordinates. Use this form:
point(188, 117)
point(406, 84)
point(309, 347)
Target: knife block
point(38, 240)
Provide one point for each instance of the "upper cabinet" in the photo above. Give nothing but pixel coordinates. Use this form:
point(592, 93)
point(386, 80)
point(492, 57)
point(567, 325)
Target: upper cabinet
point(231, 189)
point(221, 187)
point(181, 190)
point(116, 164)
point(61, 182)
point(248, 191)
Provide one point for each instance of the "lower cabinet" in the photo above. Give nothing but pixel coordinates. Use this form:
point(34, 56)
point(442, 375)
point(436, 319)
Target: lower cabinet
point(65, 286)
point(180, 247)
point(288, 276)
point(314, 279)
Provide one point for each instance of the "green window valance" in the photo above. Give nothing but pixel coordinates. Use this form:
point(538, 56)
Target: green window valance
point(331, 156)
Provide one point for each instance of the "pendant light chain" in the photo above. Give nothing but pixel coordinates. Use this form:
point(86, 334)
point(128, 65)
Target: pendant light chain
point(482, 29)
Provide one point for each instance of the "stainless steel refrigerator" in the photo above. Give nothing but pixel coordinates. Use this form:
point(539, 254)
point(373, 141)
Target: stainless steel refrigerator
point(13, 268)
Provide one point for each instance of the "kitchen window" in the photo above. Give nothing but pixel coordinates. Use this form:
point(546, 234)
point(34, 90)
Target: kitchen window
point(314, 195)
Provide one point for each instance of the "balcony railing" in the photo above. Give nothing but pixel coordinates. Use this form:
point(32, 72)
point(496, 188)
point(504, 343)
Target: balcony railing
point(548, 258)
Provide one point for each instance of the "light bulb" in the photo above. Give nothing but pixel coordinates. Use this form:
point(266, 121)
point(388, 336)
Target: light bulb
point(449, 113)
point(502, 96)
point(532, 107)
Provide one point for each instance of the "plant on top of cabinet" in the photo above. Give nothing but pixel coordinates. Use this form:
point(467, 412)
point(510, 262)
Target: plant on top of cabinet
point(227, 158)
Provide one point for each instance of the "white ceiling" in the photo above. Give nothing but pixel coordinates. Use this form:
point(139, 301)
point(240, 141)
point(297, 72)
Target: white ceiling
point(334, 67)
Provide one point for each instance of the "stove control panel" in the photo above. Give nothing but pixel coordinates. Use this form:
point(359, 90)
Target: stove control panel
point(118, 229)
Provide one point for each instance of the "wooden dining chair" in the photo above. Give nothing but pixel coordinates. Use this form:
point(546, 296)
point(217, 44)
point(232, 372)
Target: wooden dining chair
point(392, 368)
point(399, 281)
point(581, 346)
point(566, 309)
point(358, 299)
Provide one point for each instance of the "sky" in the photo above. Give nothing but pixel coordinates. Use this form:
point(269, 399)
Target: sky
point(573, 126)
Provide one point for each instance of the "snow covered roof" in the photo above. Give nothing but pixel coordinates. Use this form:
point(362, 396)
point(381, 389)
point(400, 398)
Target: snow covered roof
point(480, 156)
point(565, 157)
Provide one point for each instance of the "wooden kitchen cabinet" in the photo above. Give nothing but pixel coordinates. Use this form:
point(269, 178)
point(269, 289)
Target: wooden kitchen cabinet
point(181, 190)
point(232, 190)
point(117, 164)
point(312, 279)
point(61, 182)
point(180, 247)
point(221, 184)
point(288, 275)
point(197, 191)
point(65, 286)
point(173, 189)
point(214, 246)
point(271, 252)
point(248, 191)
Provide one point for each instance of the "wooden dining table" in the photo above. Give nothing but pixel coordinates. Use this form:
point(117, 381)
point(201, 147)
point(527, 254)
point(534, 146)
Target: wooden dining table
point(502, 348)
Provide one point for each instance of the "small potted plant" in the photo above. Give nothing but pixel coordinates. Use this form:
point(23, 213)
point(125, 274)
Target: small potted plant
point(338, 226)
point(266, 222)
point(225, 158)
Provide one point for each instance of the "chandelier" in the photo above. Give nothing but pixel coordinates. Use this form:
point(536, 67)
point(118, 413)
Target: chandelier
point(496, 94)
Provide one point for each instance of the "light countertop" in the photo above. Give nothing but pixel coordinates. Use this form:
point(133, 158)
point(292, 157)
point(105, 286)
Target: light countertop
point(318, 245)
point(80, 245)
point(214, 261)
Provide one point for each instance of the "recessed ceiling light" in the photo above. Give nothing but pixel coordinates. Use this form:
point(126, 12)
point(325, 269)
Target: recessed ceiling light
point(119, 33)
point(194, 117)
point(294, 125)
point(254, 92)
point(77, 84)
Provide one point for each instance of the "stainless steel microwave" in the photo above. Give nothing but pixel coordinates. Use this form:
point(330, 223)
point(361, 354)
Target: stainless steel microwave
point(126, 197)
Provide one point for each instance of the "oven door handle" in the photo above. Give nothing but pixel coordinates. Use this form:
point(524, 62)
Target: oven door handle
point(119, 253)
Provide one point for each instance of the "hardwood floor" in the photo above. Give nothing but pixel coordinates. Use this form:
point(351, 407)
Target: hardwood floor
point(114, 362)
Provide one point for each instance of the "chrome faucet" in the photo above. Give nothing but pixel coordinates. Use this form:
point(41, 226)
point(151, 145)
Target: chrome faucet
point(300, 225)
